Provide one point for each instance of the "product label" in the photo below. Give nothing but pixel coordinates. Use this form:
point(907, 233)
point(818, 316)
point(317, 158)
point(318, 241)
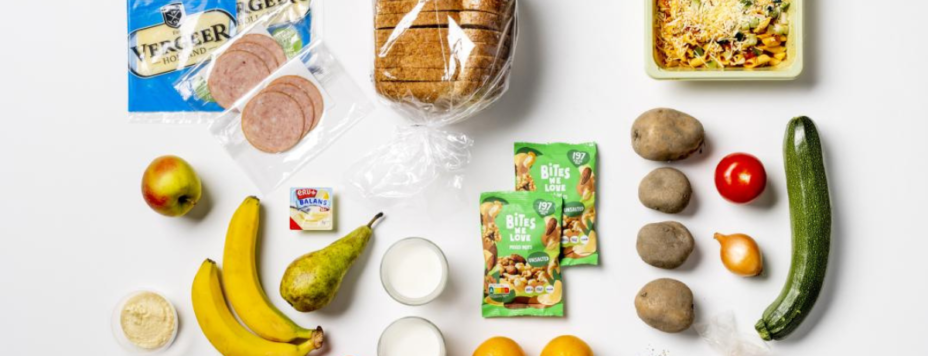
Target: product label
point(520, 232)
point(311, 209)
point(181, 41)
point(166, 40)
point(281, 11)
point(568, 171)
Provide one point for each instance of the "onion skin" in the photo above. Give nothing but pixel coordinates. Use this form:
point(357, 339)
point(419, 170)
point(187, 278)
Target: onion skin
point(741, 255)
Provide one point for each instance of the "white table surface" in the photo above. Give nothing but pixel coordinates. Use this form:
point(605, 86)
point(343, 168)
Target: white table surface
point(77, 236)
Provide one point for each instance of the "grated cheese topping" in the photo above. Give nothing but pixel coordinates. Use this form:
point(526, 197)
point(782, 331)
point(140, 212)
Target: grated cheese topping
point(715, 30)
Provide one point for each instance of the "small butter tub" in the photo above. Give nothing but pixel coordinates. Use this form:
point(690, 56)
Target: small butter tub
point(312, 209)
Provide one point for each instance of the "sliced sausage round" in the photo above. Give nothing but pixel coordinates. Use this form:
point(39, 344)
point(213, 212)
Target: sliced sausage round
point(233, 75)
point(256, 49)
point(269, 43)
point(310, 89)
point(302, 98)
point(272, 122)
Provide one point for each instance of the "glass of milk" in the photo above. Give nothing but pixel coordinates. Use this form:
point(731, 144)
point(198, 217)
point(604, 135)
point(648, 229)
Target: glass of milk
point(414, 271)
point(411, 336)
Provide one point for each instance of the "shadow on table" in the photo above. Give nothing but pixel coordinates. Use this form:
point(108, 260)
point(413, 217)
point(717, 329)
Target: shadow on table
point(523, 83)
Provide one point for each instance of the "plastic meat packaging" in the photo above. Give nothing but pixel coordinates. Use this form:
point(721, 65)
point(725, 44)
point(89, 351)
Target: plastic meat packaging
point(172, 45)
point(289, 117)
point(437, 62)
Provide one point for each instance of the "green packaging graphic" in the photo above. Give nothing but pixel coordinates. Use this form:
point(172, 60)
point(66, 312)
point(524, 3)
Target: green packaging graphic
point(569, 171)
point(521, 245)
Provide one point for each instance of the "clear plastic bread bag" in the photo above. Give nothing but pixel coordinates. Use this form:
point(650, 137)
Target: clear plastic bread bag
point(171, 42)
point(272, 133)
point(436, 62)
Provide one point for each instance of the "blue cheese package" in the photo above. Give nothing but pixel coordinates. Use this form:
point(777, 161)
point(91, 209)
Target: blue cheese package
point(171, 39)
point(166, 38)
point(289, 21)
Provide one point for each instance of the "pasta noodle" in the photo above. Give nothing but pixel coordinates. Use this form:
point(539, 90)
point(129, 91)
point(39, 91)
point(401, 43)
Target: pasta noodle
point(717, 34)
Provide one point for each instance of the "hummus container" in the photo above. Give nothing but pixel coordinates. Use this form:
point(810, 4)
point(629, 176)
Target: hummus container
point(166, 316)
point(788, 70)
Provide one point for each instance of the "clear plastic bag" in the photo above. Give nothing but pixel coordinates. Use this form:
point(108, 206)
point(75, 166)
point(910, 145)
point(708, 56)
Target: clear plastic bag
point(344, 106)
point(721, 333)
point(167, 75)
point(437, 62)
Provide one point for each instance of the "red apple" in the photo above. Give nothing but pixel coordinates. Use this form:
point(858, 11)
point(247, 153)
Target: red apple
point(170, 186)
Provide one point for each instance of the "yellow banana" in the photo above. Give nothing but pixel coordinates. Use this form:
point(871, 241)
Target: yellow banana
point(225, 333)
point(242, 284)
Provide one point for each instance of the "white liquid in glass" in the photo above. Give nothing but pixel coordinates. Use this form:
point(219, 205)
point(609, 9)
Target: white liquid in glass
point(413, 268)
point(411, 337)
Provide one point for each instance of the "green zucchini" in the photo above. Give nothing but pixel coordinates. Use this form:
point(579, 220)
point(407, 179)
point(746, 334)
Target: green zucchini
point(810, 213)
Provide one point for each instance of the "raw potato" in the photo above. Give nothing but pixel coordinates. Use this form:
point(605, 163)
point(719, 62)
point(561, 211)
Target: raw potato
point(666, 305)
point(666, 135)
point(665, 245)
point(665, 189)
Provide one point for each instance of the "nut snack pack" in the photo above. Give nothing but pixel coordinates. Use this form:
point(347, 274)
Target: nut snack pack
point(436, 62)
point(569, 171)
point(166, 38)
point(521, 232)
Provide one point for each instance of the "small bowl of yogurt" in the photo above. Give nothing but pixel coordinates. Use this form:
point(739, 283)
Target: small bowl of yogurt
point(414, 271)
point(411, 336)
point(145, 322)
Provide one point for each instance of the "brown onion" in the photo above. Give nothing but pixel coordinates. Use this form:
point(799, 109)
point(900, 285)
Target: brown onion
point(740, 254)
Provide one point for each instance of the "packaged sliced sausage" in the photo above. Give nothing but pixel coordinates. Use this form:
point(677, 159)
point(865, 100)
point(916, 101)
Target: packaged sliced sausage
point(436, 62)
point(569, 172)
point(286, 116)
point(521, 237)
point(263, 35)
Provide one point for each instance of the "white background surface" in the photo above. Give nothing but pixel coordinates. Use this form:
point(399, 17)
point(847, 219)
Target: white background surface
point(77, 236)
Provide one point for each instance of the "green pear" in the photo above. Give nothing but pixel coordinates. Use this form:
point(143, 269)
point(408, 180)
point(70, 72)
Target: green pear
point(312, 281)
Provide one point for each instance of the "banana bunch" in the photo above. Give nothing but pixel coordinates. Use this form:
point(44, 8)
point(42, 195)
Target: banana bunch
point(277, 335)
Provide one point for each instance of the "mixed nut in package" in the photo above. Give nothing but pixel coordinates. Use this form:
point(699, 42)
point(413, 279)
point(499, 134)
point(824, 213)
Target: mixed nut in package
point(437, 62)
point(521, 238)
point(171, 42)
point(287, 117)
point(568, 171)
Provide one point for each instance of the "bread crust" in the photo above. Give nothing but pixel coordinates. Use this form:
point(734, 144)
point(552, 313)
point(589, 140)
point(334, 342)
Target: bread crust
point(405, 6)
point(464, 19)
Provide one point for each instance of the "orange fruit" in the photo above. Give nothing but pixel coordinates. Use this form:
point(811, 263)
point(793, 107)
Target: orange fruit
point(567, 345)
point(499, 346)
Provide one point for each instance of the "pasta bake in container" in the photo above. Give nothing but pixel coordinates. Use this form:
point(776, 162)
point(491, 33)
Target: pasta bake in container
point(724, 39)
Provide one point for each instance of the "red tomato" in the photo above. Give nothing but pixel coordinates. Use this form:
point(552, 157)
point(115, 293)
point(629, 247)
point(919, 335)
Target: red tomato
point(740, 178)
